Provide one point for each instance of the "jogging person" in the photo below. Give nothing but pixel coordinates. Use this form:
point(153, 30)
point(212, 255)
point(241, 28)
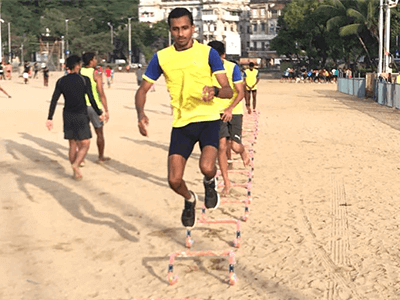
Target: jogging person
point(252, 77)
point(230, 133)
point(96, 80)
point(76, 121)
point(196, 116)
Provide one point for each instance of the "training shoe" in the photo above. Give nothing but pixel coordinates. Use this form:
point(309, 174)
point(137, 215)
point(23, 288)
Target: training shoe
point(189, 212)
point(211, 198)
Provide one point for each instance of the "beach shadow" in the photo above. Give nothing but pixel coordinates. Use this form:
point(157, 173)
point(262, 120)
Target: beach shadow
point(36, 156)
point(159, 112)
point(148, 143)
point(113, 165)
point(75, 204)
point(156, 145)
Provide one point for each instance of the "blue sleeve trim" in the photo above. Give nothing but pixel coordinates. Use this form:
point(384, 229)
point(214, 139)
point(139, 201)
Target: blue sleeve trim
point(236, 76)
point(215, 61)
point(154, 70)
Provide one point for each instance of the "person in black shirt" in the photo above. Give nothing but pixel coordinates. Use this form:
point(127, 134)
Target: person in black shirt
point(74, 86)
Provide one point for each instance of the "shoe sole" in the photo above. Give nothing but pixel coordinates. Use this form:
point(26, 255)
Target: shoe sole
point(216, 206)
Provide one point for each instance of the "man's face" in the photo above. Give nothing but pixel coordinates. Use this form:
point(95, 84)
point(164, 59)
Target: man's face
point(93, 62)
point(182, 31)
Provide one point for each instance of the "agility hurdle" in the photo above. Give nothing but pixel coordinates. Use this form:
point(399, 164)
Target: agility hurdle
point(238, 236)
point(172, 279)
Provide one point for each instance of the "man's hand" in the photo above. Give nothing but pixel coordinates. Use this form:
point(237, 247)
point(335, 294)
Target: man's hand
point(227, 115)
point(106, 116)
point(49, 124)
point(142, 124)
point(208, 93)
point(102, 117)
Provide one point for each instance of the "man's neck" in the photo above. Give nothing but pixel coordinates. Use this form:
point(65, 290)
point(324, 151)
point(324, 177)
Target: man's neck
point(188, 46)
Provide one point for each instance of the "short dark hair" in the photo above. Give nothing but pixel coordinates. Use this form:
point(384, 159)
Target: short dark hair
point(251, 65)
point(219, 46)
point(87, 57)
point(72, 61)
point(179, 12)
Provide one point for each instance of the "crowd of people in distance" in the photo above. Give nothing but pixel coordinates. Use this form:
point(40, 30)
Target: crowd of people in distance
point(303, 75)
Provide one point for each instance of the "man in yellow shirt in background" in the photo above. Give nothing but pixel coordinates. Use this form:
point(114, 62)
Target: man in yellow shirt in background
point(230, 133)
point(188, 67)
point(251, 78)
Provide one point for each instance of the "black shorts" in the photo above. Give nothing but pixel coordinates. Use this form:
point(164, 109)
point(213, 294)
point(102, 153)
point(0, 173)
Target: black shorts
point(232, 129)
point(184, 138)
point(76, 126)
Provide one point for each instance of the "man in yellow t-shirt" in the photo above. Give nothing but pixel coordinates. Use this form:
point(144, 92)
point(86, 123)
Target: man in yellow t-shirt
point(188, 67)
point(230, 133)
point(251, 78)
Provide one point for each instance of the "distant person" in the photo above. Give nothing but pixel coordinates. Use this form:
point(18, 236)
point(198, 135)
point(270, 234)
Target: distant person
point(46, 76)
point(139, 75)
point(25, 74)
point(35, 70)
point(2, 76)
point(74, 87)
point(252, 77)
point(8, 68)
point(108, 72)
point(96, 81)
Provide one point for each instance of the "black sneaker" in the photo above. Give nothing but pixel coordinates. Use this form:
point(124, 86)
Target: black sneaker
point(189, 213)
point(211, 198)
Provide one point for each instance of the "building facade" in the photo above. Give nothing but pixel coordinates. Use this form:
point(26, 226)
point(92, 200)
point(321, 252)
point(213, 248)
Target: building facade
point(245, 26)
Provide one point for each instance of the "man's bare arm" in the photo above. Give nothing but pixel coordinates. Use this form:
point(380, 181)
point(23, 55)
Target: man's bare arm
point(227, 114)
point(140, 100)
point(99, 80)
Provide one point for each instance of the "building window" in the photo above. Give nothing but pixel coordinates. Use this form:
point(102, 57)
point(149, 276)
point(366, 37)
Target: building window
point(263, 27)
point(254, 28)
point(263, 12)
point(263, 46)
point(255, 45)
point(248, 29)
point(212, 27)
point(248, 44)
point(241, 28)
point(254, 11)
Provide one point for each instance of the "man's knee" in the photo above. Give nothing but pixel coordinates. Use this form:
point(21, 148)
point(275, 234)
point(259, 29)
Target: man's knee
point(174, 181)
point(236, 147)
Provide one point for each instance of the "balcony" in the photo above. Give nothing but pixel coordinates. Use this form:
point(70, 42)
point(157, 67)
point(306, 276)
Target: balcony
point(262, 37)
point(209, 18)
point(231, 18)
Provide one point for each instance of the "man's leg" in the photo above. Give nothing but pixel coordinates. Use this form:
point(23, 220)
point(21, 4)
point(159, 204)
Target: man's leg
point(239, 149)
point(223, 165)
point(254, 93)
point(73, 151)
point(247, 99)
point(176, 168)
point(83, 147)
point(101, 143)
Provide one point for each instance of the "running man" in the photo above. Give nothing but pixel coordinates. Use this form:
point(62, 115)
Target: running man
point(108, 76)
point(196, 117)
point(230, 133)
point(252, 77)
point(75, 115)
point(96, 80)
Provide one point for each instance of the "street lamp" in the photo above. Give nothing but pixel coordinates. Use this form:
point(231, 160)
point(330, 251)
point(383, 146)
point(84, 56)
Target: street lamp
point(1, 46)
point(9, 43)
point(112, 28)
point(129, 41)
point(66, 36)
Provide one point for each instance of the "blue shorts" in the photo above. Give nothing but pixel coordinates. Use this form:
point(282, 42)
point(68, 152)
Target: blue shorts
point(184, 138)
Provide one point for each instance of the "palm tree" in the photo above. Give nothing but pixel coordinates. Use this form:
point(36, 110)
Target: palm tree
point(354, 17)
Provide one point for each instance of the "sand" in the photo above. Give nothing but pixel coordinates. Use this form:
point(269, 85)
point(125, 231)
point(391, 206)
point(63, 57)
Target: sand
point(323, 223)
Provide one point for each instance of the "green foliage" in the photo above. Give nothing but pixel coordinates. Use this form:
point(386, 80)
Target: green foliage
point(87, 25)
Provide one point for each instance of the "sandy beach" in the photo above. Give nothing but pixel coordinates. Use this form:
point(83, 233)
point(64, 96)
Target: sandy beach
point(323, 223)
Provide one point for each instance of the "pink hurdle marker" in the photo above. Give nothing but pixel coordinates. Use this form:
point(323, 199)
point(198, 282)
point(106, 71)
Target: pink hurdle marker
point(238, 237)
point(172, 279)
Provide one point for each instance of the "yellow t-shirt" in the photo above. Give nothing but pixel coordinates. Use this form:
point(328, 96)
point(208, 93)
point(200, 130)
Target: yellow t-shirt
point(89, 73)
point(186, 73)
point(234, 77)
point(251, 78)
